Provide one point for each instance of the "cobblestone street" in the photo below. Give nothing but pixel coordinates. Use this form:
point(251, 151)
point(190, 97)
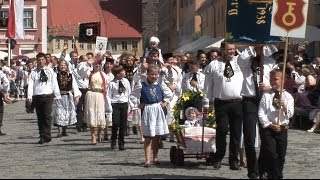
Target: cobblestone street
point(74, 157)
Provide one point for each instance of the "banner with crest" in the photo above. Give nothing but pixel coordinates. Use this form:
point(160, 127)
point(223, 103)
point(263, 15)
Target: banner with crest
point(289, 18)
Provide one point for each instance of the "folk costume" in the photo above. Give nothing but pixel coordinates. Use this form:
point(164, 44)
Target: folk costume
point(153, 120)
point(64, 110)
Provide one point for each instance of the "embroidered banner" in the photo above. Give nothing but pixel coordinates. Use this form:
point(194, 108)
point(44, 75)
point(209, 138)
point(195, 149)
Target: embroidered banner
point(88, 32)
point(250, 21)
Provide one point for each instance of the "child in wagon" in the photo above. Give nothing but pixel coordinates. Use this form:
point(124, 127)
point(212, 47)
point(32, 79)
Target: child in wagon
point(192, 117)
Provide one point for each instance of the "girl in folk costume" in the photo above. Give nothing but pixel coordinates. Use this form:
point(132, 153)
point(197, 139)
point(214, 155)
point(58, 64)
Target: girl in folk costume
point(153, 98)
point(64, 110)
point(94, 112)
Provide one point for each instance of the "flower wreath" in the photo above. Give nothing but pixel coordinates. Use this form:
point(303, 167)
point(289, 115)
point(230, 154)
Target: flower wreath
point(188, 99)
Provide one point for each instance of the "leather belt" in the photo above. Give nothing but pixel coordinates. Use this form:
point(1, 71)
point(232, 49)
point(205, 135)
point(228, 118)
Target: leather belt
point(96, 90)
point(64, 92)
point(249, 98)
point(229, 100)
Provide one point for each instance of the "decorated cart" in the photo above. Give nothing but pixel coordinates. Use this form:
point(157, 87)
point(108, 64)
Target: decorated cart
point(192, 142)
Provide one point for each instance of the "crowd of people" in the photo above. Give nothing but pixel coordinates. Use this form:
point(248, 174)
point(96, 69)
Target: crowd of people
point(95, 92)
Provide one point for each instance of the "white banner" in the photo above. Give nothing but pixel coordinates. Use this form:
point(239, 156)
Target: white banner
point(289, 18)
point(101, 44)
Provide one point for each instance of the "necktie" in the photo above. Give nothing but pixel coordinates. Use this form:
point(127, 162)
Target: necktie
point(276, 100)
point(169, 72)
point(228, 71)
point(43, 76)
point(121, 88)
point(55, 69)
point(194, 77)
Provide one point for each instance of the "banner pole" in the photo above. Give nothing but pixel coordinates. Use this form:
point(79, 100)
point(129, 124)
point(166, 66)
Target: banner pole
point(9, 52)
point(283, 73)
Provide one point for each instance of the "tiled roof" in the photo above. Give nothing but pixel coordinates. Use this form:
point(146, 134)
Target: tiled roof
point(119, 18)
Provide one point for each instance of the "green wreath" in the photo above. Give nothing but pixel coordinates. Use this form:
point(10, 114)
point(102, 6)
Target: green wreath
point(188, 99)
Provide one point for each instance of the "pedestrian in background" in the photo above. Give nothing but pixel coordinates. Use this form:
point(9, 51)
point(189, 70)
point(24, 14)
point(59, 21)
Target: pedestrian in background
point(4, 96)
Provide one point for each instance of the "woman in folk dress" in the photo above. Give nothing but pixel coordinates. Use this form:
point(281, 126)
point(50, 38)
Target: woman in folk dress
point(94, 112)
point(64, 110)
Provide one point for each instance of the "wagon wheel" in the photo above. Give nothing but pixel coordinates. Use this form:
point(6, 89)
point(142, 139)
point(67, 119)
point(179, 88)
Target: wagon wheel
point(173, 154)
point(209, 158)
point(180, 157)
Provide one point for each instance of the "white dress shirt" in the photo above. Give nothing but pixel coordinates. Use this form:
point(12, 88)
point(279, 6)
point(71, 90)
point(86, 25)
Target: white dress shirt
point(248, 87)
point(36, 87)
point(217, 85)
point(113, 94)
point(267, 112)
point(187, 78)
point(174, 78)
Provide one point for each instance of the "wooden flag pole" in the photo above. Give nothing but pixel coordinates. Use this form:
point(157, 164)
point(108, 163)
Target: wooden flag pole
point(283, 73)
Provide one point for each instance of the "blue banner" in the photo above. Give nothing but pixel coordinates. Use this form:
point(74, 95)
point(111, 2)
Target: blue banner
point(250, 21)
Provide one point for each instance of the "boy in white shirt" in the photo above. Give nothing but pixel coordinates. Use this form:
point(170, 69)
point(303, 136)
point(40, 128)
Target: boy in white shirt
point(274, 113)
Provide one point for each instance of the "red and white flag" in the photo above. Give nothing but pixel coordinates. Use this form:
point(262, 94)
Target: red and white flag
point(15, 27)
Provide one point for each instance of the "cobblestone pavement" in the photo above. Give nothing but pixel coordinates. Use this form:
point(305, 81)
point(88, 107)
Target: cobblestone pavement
point(74, 157)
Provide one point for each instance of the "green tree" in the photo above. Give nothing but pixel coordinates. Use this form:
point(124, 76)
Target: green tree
point(196, 35)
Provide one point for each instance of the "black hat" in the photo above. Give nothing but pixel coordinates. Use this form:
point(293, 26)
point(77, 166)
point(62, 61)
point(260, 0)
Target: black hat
point(167, 56)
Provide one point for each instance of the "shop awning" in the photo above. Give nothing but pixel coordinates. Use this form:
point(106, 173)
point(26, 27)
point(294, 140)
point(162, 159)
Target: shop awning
point(204, 43)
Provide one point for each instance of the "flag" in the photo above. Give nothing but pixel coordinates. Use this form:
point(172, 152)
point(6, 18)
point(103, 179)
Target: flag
point(88, 32)
point(15, 27)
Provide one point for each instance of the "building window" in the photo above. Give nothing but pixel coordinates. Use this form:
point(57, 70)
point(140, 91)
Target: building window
point(28, 18)
point(113, 45)
point(57, 44)
point(134, 45)
point(81, 45)
point(66, 43)
point(89, 46)
point(124, 45)
point(3, 19)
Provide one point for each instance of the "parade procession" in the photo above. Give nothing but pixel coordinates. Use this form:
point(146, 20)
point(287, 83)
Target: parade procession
point(166, 89)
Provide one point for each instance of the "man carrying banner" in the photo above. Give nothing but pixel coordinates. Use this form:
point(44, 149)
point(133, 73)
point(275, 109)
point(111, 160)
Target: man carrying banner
point(250, 61)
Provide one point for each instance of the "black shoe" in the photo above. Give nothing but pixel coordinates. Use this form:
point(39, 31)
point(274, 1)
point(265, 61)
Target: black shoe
point(65, 134)
point(216, 165)
point(79, 129)
point(113, 145)
point(146, 165)
point(263, 176)
point(134, 130)
point(41, 141)
point(2, 134)
point(84, 129)
point(122, 148)
point(106, 138)
point(234, 166)
point(47, 139)
point(252, 176)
